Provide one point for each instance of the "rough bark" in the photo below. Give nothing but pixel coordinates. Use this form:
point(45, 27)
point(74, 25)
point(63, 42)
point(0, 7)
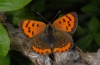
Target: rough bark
point(74, 56)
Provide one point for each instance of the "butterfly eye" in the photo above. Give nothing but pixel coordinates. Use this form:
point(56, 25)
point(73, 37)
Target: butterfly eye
point(67, 22)
point(31, 28)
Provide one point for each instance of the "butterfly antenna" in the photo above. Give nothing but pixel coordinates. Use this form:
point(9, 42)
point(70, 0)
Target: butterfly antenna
point(56, 15)
point(41, 16)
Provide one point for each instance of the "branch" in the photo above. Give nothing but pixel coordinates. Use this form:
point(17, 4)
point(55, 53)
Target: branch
point(74, 56)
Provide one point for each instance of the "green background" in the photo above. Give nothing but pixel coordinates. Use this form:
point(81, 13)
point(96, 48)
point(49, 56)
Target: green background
point(86, 36)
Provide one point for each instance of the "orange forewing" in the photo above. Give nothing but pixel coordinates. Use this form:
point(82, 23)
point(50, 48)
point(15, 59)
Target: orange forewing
point(32, 27)
point(67, 22)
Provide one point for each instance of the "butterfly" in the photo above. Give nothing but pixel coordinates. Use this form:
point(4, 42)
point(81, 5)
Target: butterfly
point(50, 38)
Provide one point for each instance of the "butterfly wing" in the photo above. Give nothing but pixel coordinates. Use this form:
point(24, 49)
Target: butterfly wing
point(64, 42)
point(39, 45)
point(67, 22)
point(31, 27)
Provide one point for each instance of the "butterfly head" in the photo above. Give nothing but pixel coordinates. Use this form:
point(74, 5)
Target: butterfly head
point(49, 28)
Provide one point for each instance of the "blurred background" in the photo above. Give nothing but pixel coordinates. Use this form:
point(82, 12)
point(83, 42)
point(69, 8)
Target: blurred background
point(87, 34)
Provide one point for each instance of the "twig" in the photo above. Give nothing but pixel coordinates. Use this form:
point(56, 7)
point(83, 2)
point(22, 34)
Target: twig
point(74, 56)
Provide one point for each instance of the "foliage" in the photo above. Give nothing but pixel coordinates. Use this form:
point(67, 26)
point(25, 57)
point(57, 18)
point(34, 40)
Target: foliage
point(4, 41)
point(5, 60)
point(87, 35)
point(10, 5)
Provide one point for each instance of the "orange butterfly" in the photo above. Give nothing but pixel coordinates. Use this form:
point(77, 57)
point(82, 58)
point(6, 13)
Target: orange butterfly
point(50, 38)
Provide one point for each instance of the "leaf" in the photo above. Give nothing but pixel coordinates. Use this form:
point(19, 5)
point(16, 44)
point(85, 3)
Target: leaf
point(93, 25)
point(10, 5)
point(80, 31)
point(39, 6)
point(5, 60)
point(18, 15)
point(77, 1)
point(91, 10)
point(19, 57)
point(95, 2)
point(82, 17)
point(97, 38)
point(4, 41)
point(84, 42)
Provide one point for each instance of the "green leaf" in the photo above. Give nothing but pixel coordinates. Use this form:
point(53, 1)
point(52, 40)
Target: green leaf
point(91, 10)
point(10, 5)
point(82, 17)
point(84, 42)
point(95, 2)
point(77, 1)
point(4, 41)
point(18, 15)
point(39, 6)
point(97, 38)
point(80, 31)
point(5, 60)
point(93, 25)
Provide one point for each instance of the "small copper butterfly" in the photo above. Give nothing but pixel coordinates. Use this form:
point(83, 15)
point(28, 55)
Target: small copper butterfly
point(50, 38)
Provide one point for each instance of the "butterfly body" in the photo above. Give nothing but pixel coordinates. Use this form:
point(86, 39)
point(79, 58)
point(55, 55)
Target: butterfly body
point(50, 38)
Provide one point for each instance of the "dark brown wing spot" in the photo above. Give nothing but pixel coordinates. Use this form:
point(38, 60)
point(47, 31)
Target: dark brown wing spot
point(27, 25)
point(68, 22)
point(32, 32)
point(68, 17)
point(37, 51)
point(37, 25)
point(46, 51)
point(28, 21)
point(59, 22)
point(67, 49)
point(66, 27)
point(69, 25)
point(57, 51)
point(63, 20)
point(29, 30)
point(42, 53)
point(33, 24)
